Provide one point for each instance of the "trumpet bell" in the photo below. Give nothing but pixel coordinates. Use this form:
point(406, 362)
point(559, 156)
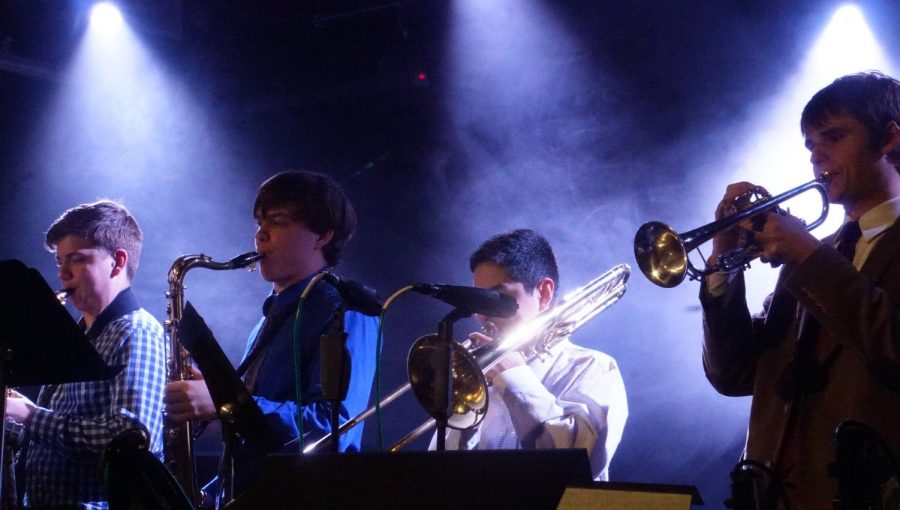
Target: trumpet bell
point(661, 254)
point(470, 397)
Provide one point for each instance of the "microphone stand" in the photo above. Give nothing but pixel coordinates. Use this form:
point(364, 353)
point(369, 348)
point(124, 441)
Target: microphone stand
point(442, 361)
point(335, 372)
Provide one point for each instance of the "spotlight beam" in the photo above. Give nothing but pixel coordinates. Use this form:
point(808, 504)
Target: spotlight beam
point(106, 18)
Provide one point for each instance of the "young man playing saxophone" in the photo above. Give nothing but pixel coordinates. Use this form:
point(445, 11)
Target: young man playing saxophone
point(573, 398)
point(304, 221)
point(97, 248)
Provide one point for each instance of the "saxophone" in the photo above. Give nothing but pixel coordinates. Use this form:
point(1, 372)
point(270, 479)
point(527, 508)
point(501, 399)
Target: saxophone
point(178, 440)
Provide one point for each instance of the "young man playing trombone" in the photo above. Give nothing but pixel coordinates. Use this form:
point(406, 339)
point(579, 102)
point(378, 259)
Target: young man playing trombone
point(305, 220)
point(572, 398)
point(826, 346)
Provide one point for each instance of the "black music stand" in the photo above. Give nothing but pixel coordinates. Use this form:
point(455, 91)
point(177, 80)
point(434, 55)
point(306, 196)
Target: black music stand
point(39, 341)
point(532, 479)
point(239, 414)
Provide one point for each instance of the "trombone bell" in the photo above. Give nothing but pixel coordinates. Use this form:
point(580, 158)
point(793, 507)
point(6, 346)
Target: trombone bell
point(470, 397)
point(661, 254)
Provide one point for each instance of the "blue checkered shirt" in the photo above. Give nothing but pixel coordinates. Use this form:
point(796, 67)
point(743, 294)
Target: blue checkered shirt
point(74, 422)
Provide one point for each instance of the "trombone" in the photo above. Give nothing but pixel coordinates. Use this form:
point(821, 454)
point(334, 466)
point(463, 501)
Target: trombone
point(533, 338)
point(662, 254)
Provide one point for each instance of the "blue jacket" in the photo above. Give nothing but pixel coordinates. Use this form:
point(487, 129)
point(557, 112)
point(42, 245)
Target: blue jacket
point(271, 378)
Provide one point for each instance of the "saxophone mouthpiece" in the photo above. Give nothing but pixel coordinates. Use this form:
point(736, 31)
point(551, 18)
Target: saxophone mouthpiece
point(247, 260)
point(254, 260)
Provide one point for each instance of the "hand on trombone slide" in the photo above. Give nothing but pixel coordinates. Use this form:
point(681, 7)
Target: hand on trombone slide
point(780, 237)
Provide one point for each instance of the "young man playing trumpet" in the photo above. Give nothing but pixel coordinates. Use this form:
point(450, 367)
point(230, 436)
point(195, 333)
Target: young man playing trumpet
point(305, 220)
point(826, 346)
point(573, 398)
point(97, 248)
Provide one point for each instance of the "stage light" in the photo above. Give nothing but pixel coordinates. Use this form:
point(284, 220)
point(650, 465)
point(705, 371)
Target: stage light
point(106, 18)
point(848, 23)
point(846, 45)
point(776, 156)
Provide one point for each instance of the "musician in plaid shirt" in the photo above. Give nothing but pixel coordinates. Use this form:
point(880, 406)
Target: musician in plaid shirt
point(97, 248)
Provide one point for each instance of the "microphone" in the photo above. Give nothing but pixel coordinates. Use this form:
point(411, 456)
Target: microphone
point(482, 301)
point(357, 296)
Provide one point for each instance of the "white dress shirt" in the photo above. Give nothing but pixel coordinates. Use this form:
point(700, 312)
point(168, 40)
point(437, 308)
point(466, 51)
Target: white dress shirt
point(573, 398)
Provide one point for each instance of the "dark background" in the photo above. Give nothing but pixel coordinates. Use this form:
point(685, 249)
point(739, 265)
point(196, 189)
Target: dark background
point(581, 119)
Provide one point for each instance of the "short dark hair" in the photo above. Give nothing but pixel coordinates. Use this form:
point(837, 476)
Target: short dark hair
point(525, 254)
point(872, 98)
point(313, 199)
point(106, 224)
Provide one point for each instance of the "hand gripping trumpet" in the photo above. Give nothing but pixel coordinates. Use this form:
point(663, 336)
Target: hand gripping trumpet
point(662, 254)
point(178, 440)
point(533, 338)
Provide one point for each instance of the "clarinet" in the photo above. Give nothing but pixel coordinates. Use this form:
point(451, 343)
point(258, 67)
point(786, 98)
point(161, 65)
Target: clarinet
point(178, 440)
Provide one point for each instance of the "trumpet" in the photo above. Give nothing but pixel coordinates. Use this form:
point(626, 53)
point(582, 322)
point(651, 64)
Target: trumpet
point(662, 254)
point(533, 338)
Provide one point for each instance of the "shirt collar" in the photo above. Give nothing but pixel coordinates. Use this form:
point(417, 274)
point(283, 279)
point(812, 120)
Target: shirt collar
point(879, 218)
point(125, 302)
point(277, 302)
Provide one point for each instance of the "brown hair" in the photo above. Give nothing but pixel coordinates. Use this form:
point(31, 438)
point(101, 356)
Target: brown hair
point(106, 224)
point(525, 255)
point(315, 200)
point(872, 98)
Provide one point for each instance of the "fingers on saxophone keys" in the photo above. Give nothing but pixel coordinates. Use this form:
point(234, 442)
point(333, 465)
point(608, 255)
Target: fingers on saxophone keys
point(179, 412)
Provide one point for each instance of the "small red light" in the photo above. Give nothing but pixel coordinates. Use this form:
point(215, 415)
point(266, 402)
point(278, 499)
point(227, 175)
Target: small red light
point(422, 76)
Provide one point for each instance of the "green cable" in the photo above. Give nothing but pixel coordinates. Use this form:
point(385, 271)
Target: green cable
point(387, 303)
point(378, 343)
point(298, 390)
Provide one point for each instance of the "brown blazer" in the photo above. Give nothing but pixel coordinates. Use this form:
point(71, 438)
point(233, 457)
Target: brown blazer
point(859, 312)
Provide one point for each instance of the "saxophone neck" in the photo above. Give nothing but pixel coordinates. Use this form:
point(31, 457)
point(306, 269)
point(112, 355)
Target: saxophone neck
point(185, 263)
point(182, 265)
